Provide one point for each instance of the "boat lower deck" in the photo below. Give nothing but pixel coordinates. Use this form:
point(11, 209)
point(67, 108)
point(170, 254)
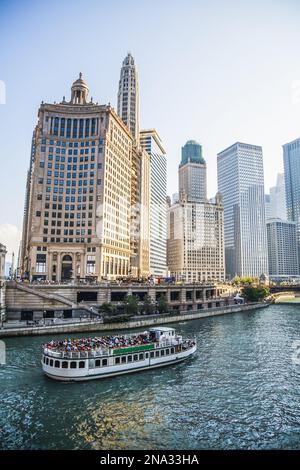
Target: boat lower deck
point(90, 373)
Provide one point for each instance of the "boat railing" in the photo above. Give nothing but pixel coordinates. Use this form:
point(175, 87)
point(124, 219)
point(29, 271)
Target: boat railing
point(76, 354)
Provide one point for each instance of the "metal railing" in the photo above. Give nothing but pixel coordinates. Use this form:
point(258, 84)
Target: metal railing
point(76, 354)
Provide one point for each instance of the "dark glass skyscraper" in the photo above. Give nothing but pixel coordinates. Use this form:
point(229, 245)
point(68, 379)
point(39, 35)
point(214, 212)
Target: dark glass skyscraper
point(191, 152)
point(291, 160)
point(192, 172)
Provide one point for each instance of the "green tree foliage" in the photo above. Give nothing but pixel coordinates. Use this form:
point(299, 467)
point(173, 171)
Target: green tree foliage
point(162, 304)
point(148, 306)
point(244, 280)
point(107, 309)
point(254, 294)
point(131, 305)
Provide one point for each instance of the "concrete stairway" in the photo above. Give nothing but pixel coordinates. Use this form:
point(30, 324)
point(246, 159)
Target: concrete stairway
point(44, 295)
point(60, 298)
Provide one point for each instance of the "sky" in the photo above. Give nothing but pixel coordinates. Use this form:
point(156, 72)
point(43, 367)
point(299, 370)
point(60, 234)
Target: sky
point(217, 72)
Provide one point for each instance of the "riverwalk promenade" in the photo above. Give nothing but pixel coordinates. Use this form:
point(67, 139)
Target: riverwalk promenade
point(135, 322)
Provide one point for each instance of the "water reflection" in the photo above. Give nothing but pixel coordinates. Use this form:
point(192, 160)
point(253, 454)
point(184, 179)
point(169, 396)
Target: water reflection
point(241, 390)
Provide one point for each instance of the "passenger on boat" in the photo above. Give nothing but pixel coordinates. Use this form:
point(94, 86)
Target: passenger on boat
point(97, 343)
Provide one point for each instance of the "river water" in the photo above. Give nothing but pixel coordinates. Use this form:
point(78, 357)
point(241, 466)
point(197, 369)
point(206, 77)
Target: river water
point(241, 390)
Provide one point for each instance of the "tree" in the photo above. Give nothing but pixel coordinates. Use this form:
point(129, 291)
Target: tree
point(236, 280)
point(131, 305)
point(254, 294)
point(244, 280)
point(107, 309)
point(162, 304)
point(148, 306)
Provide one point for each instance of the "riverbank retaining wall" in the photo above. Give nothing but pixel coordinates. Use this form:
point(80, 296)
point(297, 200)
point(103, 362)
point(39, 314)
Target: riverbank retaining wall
point(136, 323)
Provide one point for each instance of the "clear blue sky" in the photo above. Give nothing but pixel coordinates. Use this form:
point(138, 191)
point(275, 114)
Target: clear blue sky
point(217, 71)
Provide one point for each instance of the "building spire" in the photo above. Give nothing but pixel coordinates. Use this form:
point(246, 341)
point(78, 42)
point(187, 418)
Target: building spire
point(128, 96)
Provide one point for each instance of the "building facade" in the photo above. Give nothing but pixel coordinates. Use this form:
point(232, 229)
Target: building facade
point(241, 183)
point(291, 161)
point(282, 248)
point(275, 201)
point(128, 96)
point(3, 253)
point(268, 210)
point(140, 213)
point(151, 143)
point(77, 208)
point(192, 172)
point(48, 301)
point(196, 240)
point(128, 110)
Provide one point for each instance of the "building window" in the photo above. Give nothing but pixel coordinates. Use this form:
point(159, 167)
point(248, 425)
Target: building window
point(40, 263)
point(90, 265)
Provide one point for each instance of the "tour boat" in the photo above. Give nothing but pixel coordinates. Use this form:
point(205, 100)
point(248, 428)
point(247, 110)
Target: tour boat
point(106, 356)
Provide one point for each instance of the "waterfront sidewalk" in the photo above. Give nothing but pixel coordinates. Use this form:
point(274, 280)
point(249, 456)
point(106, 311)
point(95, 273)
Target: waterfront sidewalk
point(87, 325)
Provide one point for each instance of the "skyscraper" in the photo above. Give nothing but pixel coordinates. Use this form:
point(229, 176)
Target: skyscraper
point(268, 212)
point(150, 141)
point(140, 213)
point(195, 247)
point(79, 188)
point(192, 172)
point(128, 96)
point(128, 110)
point(282, 248)
point(291, 160)
point(196, 240)
point(276, 199)
point(241, 183)
point(3, 253)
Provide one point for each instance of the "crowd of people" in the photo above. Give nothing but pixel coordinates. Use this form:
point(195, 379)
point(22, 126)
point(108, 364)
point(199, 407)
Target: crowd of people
point(98, 343)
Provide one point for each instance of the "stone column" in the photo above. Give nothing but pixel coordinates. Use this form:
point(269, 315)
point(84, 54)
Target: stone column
point(50, 263)
point(58, 267)
point(182, 297)
point(74, 266)
point(82, 265)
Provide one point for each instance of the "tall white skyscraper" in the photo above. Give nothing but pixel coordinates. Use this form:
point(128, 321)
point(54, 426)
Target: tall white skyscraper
point(128, 96)
point(241, 183)
point(150, 141)
point(192, 172)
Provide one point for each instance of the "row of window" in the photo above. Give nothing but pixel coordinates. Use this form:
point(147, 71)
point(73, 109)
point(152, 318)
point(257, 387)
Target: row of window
point(57, 182)
point(70, 144)
point(60, 198)
point(74, 127)
point(61, 166)
point(58, 223)
point(104, 362)
point(68, 190)
point(66, 240)
point(70, 152)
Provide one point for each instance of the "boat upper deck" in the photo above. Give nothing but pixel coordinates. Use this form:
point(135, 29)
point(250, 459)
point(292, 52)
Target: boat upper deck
point(110, 345)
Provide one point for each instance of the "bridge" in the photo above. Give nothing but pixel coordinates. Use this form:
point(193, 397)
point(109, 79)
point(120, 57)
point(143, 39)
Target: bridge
point(282, 289)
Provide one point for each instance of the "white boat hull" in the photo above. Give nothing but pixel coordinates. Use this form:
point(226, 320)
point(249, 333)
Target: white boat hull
point(87, 373)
